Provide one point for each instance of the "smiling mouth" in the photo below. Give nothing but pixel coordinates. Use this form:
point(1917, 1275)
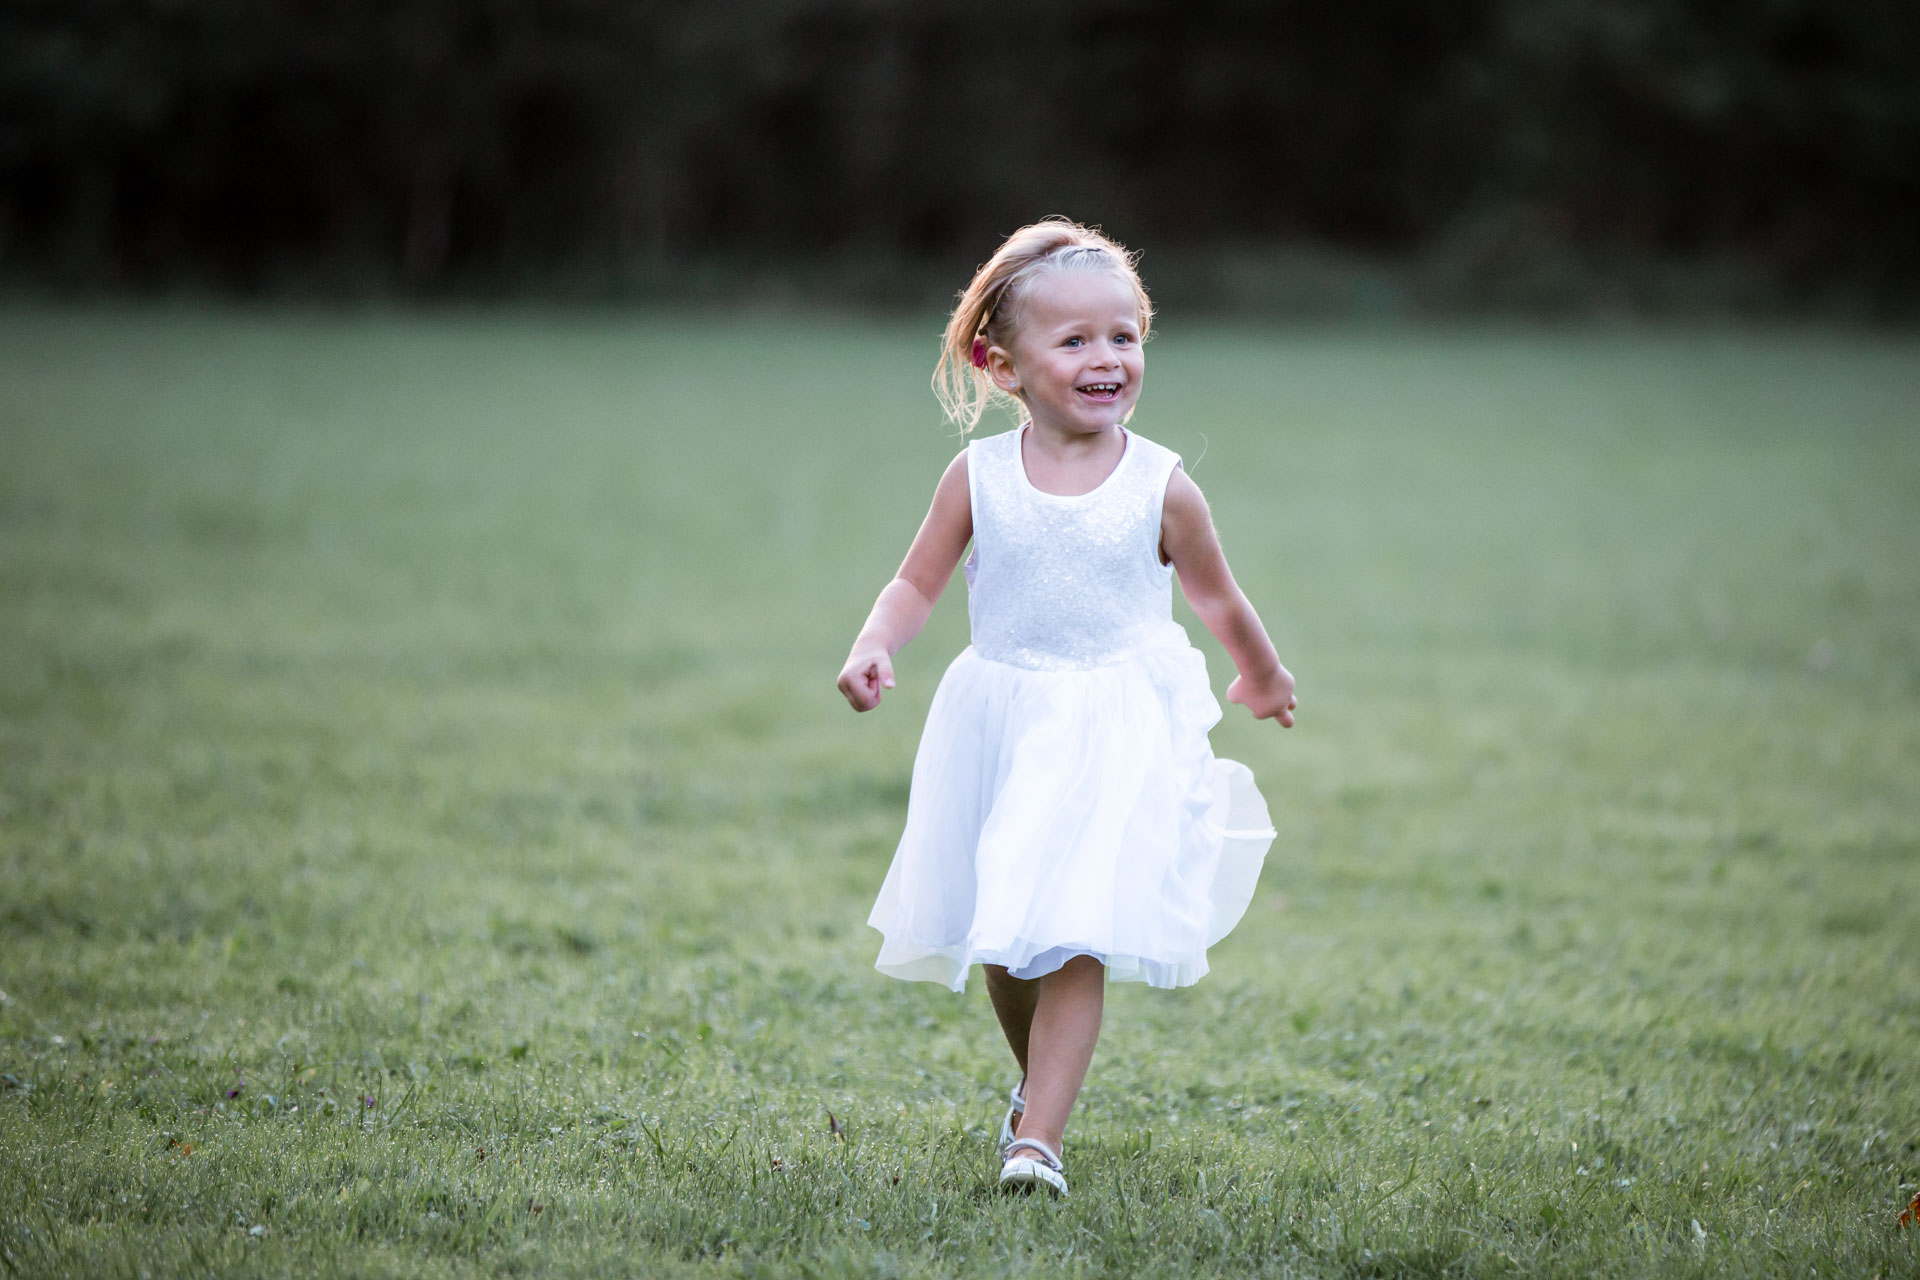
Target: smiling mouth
point(1100, 390)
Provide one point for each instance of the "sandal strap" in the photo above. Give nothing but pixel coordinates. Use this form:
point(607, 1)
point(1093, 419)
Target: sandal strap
point(1018, 1098)
point(1046, 1153)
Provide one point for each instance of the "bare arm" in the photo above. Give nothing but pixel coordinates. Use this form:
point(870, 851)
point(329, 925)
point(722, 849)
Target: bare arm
point(1262, 685)
point(906, 602)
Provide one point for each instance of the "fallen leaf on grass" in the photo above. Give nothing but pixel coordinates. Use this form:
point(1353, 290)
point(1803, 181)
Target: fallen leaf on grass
point(1911, 1213)
point(838, 1130)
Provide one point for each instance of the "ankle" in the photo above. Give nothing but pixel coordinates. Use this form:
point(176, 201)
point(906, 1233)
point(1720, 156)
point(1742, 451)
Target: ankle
point(1033, 1133)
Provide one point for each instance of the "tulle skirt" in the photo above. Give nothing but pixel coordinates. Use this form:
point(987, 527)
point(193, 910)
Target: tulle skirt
point(1064, 813)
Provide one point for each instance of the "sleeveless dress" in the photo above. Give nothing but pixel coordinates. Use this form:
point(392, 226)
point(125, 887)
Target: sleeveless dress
point(1065, 800)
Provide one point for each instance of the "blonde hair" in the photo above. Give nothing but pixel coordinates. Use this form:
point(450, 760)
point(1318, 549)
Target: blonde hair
point(989, 308)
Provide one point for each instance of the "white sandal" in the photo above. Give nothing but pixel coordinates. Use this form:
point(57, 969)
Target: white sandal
point(1019, 1108)
point(1042, 1169)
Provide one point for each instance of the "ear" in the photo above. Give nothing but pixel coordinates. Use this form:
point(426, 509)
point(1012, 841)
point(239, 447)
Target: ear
point(1000, 369)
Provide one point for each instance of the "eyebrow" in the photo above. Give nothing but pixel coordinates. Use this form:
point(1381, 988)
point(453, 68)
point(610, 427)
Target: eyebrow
point(1077, 326)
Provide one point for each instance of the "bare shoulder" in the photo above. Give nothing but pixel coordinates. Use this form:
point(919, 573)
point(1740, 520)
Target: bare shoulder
point(953, 483)
point(952, 507)
point(1185, 506)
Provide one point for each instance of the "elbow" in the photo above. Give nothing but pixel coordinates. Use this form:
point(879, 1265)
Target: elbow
point(926, 593)
point(1215, 608)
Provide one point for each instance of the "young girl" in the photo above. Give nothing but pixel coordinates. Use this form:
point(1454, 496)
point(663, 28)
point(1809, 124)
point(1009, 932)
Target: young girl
point(1068, 823)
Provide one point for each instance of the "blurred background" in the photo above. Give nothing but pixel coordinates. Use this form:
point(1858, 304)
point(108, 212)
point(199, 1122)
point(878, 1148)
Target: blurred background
point(446, 449)
point(1559, 156)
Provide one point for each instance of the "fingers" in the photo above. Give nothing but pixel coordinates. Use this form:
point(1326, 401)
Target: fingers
point(1264, 708)
point(861, 684)
point(853, 687)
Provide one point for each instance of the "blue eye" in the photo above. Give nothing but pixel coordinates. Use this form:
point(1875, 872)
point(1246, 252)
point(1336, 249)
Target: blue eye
point(1073, 342)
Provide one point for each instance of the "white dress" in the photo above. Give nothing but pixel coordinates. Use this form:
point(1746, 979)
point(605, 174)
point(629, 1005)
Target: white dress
point(1065, 800)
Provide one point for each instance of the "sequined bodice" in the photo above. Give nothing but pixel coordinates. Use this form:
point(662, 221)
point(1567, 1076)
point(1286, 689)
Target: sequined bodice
point(1066, 583)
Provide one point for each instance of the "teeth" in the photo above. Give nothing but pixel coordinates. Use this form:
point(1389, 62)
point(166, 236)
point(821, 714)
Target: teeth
point(1101, 386)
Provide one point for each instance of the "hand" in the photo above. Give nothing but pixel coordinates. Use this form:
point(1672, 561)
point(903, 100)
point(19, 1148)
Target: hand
point(1268, 699)
point(867, 672)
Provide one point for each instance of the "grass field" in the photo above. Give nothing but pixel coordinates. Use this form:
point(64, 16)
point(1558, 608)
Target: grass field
point(431, 843)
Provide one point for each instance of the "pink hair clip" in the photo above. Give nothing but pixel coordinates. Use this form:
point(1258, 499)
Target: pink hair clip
point(979, 353)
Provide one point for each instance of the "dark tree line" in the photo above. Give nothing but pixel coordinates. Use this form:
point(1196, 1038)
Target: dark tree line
point(354, 145)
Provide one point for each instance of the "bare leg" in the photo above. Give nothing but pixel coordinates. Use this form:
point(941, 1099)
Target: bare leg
point(1052, 1024)
point(1013, 1000)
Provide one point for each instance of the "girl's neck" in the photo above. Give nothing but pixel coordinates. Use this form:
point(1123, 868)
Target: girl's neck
point(1058, 443)
point(1068, 464)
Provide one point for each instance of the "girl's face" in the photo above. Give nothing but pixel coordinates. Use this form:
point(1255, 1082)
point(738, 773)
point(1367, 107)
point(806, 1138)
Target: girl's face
point(1076, 358)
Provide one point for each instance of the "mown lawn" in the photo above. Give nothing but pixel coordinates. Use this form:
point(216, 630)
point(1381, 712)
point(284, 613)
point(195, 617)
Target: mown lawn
point(431, 843)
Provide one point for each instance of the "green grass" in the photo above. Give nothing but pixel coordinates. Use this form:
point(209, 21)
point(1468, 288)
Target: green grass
point(431, 843)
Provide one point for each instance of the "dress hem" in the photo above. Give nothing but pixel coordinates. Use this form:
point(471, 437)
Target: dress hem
point(950, 966)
